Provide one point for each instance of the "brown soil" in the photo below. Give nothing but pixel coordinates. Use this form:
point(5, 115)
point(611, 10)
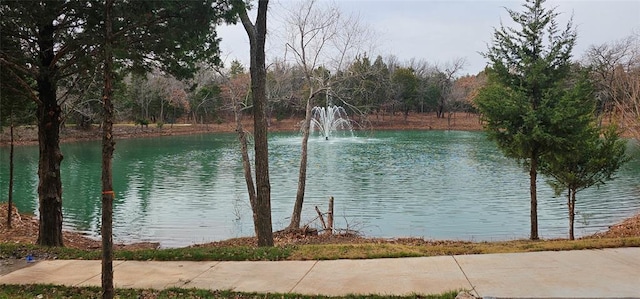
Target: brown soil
point(28, 135)
point(282, 238)
point(630, 227)
point(25, 231)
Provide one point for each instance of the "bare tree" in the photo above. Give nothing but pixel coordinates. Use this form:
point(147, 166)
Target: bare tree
point(615, 68)
point(80, 98)
point(445, 84)
point(203, 94)
point(235, 92)
point(606, 61)
point(170, 94)
point(285, 84)
point(142, 94)
point(322, 41)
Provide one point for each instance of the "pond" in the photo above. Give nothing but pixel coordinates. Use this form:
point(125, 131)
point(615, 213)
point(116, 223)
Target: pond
point(182, 190)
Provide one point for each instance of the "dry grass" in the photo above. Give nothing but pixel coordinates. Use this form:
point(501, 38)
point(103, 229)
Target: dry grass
point(439, 248)
point(323, 247)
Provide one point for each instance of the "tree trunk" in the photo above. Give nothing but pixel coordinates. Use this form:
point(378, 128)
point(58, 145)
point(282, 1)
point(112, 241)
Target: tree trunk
point(324, 224)
point(571, 202)
point(107, 159)
point(161, 119)
point(10, 200)
point(257, 35)
point(49, 116)
point(330, 217)
point(302, 174)
point(533, 175)
point(258, 84)
point(246, 164)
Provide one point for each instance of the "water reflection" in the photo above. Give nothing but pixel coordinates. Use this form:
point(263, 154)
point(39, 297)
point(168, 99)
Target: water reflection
point(444, 185)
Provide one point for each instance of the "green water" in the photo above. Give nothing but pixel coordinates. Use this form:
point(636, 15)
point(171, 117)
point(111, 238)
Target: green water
point(182, 190)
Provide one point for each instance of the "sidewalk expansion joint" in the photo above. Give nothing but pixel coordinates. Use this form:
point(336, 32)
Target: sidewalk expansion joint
point(114, 264)
point(473, 288)
point(185, 282)
point(303, 276)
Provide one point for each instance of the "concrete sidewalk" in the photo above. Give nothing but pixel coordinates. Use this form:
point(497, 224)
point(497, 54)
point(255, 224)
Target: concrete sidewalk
point(608, 273)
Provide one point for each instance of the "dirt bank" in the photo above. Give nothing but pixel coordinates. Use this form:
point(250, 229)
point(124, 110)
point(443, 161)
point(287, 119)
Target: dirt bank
point(25, 231)
point(28, 135)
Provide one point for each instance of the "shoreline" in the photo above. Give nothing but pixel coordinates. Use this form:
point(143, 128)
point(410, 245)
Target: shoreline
point(25, 231)
point(28, 135)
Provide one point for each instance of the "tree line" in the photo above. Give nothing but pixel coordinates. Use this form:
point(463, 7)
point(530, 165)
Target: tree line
point(368, 86)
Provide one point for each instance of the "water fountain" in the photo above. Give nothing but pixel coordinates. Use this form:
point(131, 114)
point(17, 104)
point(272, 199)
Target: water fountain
point(180, 190)
point(328, 120)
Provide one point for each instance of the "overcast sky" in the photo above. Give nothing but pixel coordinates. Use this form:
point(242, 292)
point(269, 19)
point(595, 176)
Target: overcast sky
point(441, 31)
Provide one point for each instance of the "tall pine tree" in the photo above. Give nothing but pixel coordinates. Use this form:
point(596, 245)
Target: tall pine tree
point(48, 52)
point(527, 64)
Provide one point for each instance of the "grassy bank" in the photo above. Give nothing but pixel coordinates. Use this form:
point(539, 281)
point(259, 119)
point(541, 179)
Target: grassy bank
point(389, 249)
point(50, 292)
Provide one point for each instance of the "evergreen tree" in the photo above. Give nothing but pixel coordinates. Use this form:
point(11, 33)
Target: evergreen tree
point(61, 39)
point(405, 85)
point(41, 53)
point(590, 156)
point(526, 65)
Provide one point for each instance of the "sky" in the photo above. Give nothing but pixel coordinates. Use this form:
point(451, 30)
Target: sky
point(441, 31)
